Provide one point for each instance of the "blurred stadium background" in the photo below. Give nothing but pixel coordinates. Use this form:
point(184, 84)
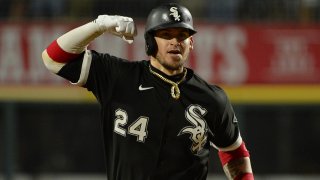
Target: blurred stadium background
point(266, 54)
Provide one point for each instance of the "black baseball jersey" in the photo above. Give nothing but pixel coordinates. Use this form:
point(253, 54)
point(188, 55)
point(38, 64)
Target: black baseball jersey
point(148, 135)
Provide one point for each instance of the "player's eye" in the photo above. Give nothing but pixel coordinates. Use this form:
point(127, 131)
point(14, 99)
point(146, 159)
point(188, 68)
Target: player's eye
point(183, 35)
point(179, 35)
point(164, 35)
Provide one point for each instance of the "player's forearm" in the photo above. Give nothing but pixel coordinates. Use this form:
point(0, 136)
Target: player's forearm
point(69, 46)
point(239, 169)
point(236, 162)
point(73, 43)
point(76, 40)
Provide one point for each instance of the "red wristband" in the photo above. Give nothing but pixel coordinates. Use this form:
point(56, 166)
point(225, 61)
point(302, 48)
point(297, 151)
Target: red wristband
point(57, 54)
point(227, 156)
point(244, 176)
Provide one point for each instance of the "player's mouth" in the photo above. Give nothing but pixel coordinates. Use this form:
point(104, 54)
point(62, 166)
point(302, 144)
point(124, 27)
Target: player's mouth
point(174, 52)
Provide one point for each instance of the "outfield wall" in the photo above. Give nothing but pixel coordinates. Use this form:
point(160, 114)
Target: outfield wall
point(232, 54)
point(282, 62)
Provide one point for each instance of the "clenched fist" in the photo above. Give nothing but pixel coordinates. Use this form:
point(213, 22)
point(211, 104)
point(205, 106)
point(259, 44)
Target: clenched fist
point(118, 25)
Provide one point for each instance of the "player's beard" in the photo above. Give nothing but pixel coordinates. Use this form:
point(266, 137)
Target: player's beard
point(170, 66)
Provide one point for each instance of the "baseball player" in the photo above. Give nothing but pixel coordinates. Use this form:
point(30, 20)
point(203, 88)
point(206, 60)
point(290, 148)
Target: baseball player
point(159, 118)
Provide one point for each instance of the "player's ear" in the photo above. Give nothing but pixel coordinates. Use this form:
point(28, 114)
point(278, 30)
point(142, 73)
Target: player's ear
point(191, 42)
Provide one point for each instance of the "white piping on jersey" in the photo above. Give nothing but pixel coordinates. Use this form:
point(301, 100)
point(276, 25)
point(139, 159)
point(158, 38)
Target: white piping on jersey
point(86, 63)
point(232, 147)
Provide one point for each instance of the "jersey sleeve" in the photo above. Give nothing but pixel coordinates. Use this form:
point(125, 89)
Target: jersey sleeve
point(98, 72)
point(225, 128)
point(72, 70)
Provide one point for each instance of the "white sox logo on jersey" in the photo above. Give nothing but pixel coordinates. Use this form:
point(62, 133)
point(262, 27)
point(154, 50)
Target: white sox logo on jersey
point(175, 13)
point(198, 132)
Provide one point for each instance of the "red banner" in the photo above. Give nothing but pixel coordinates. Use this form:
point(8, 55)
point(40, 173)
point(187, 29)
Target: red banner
point(226, 54)
point(283, 54)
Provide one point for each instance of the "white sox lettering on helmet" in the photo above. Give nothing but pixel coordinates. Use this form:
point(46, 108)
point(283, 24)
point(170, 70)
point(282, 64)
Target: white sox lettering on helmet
point(175, 13)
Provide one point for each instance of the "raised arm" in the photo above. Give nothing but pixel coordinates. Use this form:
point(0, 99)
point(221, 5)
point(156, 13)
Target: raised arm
point(73, 43)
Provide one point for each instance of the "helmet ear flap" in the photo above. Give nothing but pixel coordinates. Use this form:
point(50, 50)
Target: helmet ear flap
point(151, 45)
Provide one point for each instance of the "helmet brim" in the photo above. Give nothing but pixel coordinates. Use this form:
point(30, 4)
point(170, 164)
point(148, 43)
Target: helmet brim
point(174, 25)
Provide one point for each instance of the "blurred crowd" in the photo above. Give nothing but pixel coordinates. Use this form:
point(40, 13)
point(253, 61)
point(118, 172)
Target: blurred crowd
point(211, 10)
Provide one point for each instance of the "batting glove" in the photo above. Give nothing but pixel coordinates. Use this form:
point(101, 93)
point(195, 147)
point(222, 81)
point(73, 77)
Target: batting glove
point(121, 26)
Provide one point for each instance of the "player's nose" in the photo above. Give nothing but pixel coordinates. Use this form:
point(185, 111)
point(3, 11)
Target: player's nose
point(175, 41)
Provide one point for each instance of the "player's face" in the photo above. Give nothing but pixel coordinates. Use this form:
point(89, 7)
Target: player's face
point(174, 45)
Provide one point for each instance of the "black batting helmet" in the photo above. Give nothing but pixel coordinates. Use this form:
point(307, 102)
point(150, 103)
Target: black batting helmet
point(169, 15)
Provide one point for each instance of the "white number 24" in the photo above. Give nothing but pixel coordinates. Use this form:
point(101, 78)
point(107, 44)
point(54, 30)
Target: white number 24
point(137, 128)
